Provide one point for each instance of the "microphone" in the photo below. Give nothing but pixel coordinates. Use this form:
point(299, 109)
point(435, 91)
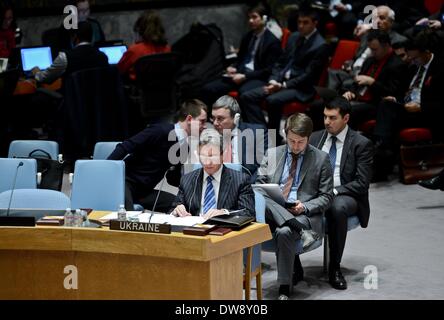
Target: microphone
point(20, 164)
point(172, 168)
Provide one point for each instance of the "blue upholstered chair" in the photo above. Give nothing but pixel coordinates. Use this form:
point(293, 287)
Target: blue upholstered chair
point(102, 150)
point(26, 174)
point(98, 184)
point(35, 199)
point(22, 148)
point(352, 223)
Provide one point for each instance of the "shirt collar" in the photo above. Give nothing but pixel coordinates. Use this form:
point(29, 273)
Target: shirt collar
point(217, 175)
point(300, 154)
point(427, 65)
point(341, 135)
point(180, 133)
point(311, 34)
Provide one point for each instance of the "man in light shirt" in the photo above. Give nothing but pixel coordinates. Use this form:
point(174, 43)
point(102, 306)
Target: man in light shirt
point(351, 158)
point(215, 189)
point(245, 143)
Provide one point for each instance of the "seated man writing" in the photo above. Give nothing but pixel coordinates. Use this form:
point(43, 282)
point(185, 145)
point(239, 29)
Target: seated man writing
point(215, 189)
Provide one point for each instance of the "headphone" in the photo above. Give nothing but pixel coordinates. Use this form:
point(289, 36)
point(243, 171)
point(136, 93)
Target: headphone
point(265, 18)
point(237, 117)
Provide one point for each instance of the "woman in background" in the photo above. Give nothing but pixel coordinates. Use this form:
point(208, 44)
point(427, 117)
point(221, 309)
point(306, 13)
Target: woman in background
point(150, 39)
point(7, 30)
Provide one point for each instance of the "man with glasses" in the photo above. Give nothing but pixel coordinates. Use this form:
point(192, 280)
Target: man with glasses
point(149, 154)
point(215, 189)
point(245, 143)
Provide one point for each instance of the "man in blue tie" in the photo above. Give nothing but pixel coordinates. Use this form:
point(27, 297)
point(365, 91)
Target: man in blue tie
point(351, 158)
point(215, 189)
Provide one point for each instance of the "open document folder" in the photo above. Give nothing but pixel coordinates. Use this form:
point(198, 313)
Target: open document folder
point(157, 218)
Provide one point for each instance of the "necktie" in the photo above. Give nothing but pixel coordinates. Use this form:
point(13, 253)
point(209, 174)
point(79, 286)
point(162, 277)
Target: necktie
point(332, 153)
point(416, 83)
point(290, 179)
point(210, 196)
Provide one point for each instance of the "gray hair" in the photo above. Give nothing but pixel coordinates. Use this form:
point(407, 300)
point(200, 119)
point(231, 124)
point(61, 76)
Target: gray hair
point(229, 103)
point(391, 13)
point(211, 137)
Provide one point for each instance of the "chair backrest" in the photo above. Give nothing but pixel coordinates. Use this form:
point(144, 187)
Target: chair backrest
point(345, 50)
point(285, 35)
point(35, 199)
point(8, 82)
point(98, 184)
point(433, 6)
point(22, 148)
point(95, 110)
point(102, 150)
point(26, 174)
point(156, 80)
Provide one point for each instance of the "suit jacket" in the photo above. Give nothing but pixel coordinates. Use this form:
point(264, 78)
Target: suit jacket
point(316, 184)
point(395, 37)
point(235, 192)
point(307, 64)
point(355, 169)
point(252, 151)
point(268, 51)
point(431, 93)
point(146, 155)
point(390, 80)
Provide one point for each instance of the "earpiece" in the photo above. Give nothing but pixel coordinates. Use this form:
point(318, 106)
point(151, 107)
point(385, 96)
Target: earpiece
point(265, 18)
point(237, 119)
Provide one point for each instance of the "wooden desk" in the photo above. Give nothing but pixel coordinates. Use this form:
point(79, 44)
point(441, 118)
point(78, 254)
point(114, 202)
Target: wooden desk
point(123, 265)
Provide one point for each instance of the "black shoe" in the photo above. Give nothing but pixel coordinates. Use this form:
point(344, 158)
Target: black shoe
point(284, 292)
point(298, 271)
point(337, 280)
point(432, 184)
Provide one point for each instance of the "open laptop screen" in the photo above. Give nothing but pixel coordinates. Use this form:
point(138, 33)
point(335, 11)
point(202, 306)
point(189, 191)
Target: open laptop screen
point(36, 57)
point(113, 53)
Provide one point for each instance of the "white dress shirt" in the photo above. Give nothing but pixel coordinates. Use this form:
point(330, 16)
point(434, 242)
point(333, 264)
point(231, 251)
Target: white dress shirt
point(415, 95)
point(339, 147)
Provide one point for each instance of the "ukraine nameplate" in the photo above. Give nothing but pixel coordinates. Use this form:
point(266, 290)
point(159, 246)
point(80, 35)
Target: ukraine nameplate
point(139, 226)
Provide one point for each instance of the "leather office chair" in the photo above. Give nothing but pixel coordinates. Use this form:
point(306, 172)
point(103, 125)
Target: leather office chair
point(35, 199)
point(98, 184)
point(102, 150)
point(22, 148)
point(156, 84)
point(26, 174)
point(94, 109)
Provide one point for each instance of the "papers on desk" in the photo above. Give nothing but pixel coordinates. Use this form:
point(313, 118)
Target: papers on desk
point(172, 220)
point(157, 218)
point(113, 215)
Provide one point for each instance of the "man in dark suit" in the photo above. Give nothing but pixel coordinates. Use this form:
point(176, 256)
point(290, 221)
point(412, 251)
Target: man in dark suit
point(421, 103)
point(258, 51)
point(381, 75)
point(82, 56)
point(351, 157)
point(304, 176)
point(149, 154)
point(293, 76)
point(246, 143)
point(215, 189)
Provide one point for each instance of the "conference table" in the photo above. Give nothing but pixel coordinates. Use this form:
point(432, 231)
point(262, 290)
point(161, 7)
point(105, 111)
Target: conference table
point(46, 262)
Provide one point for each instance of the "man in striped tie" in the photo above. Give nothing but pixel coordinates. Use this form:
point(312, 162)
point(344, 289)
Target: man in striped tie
point(304, 176)
point(215, 189)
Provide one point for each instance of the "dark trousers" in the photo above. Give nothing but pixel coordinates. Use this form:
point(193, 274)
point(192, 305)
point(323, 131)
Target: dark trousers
point(251, 105)
point(341, 208)
point(134, 195)
point(217, 88)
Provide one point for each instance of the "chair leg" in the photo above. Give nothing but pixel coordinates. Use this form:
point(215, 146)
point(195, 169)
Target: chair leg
point(326, 254)
point(247, 278)
point(259, 284)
